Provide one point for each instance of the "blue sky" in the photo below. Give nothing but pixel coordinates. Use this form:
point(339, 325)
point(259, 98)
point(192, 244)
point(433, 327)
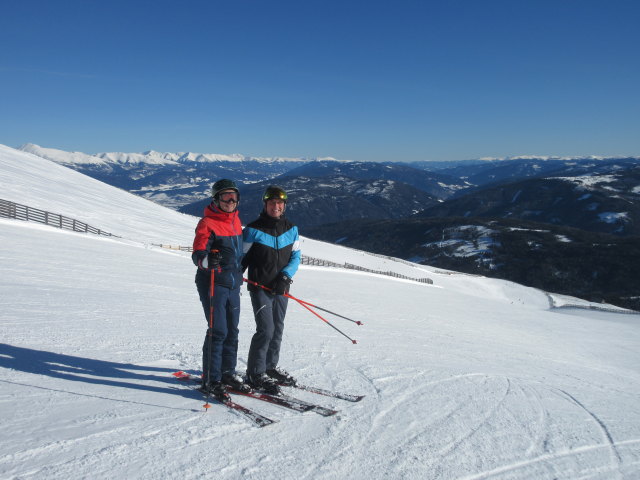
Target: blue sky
point(362, 80)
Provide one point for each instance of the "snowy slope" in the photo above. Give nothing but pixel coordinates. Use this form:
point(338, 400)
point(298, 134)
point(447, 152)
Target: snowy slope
point(468, 378)
point(39, 183)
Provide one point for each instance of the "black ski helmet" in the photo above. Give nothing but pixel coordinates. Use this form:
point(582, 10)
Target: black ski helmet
point(224, 184)
point(274, 191)
point(221, 186)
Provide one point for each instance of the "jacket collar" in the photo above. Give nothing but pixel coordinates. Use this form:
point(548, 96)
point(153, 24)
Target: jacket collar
point(269, 220)
point(215, 213)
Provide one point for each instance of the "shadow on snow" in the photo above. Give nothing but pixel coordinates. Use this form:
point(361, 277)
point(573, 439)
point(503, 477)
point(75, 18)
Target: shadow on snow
point(87, 370)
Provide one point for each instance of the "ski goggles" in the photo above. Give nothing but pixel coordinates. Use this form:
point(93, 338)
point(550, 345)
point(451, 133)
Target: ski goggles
point(228, 197)
point(275, 194)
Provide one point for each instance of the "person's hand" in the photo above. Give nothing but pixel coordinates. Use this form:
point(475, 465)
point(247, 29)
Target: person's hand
point(211, 261)
point(281, 284)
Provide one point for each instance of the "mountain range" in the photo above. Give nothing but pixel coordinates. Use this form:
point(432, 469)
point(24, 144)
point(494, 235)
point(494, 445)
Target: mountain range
point(566, 224)
point(598, 267)
point(315, 201)
point(597, 199)
point(170, 179)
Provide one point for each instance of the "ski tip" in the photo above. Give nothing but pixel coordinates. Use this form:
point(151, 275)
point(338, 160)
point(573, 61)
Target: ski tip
point(354, 342)
point(359, 323)
point(182, 376)
point(264, 422)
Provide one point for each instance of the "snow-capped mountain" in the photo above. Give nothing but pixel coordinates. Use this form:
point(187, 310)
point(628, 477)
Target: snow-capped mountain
point(170, 179)
point(177, 179)
point(151, 157)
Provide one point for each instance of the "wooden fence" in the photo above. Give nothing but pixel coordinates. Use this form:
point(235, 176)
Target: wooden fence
point(325, 263)
point(173, 247)
point(17, 211)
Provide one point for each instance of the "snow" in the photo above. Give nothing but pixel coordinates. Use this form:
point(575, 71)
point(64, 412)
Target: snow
point(515, 196)
point(468, 378)
point(563, 238)
point(547, 157)
point(466, 241)
point(61, 156)
point(588, 181)
point(151, 157)
point(613, 217)
point(36, 182)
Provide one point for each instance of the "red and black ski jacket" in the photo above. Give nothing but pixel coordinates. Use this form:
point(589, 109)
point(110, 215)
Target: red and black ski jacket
point(218, 230)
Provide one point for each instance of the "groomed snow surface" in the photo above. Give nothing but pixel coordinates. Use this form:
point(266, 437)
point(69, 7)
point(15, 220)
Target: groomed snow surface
point(468, 378)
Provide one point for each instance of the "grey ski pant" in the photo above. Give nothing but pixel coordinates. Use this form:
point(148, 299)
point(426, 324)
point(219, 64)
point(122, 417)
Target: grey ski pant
point(269, 311)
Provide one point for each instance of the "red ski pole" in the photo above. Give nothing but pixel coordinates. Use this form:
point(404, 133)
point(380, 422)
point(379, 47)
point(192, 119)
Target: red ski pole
point(357, 322)
point(304, 304)
point(326, 321)
point(210, 334)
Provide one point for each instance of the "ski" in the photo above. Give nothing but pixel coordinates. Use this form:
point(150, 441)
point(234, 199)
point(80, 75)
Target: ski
point(288, 402)
point(319, 409)
point(327, 393)
point(283, 400)
point(254, 417)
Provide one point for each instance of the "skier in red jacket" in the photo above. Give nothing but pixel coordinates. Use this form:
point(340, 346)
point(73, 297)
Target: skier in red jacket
point(217, 252)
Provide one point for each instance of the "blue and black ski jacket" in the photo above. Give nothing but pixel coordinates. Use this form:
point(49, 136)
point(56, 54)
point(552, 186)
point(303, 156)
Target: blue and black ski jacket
point(271, 246)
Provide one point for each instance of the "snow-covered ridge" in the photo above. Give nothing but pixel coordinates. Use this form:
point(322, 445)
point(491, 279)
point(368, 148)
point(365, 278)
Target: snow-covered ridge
point(150, 157)
point(153, 157)
point(61, 156)
point(553, 157)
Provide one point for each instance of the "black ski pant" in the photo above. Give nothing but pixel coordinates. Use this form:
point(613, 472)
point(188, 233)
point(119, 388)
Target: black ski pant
point(220, 349)
point(269, 311)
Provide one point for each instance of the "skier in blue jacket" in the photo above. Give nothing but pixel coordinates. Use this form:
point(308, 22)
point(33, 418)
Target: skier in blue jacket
point(272, 255)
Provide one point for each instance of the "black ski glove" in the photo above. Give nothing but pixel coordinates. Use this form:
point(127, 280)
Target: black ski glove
point(211, 261)
point(281, 285)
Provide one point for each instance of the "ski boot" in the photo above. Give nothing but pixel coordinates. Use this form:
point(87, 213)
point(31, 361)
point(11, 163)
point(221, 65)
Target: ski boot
point(263, 383)
point(281, 376)
point(235, 381)
point(217, 390)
